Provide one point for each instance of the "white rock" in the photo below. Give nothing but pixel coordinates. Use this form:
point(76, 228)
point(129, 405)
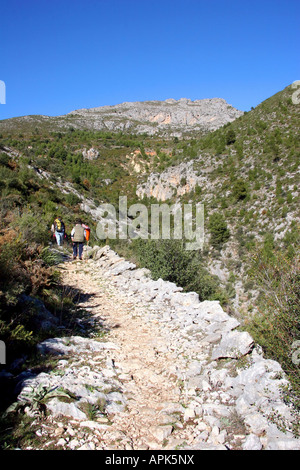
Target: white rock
point(93, 425)
point(161, 432)
point(59, 408)
point(73, 444)
point(252, 442)
point(188, 414)
point(61, 442)
point(257, 423)
point(233, 344)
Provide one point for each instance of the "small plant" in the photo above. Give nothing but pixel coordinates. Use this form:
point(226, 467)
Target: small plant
point(94, 410)
point(37, 398)
point(50, 257)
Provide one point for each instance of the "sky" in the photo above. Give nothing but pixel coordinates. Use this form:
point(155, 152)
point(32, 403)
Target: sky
point(60, 55)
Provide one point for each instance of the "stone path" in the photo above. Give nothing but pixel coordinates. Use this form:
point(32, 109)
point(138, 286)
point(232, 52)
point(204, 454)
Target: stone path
point(169, 373)
point(142, 361)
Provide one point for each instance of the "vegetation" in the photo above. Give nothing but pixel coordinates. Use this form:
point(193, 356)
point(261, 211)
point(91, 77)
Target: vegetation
point(169, 260)
point(276, 324)
point(218, 230)
point(251, 198)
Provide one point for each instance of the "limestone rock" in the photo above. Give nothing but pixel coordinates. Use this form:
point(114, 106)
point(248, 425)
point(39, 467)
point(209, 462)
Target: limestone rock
point(59, 408)
point(90, 154)
point(161, 432)
point(155, 117)
point(233, 344)
point(252, 442)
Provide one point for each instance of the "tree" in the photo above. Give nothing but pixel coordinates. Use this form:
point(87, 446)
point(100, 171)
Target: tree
point(239, 190)
point(219, 232)
point(230, 137)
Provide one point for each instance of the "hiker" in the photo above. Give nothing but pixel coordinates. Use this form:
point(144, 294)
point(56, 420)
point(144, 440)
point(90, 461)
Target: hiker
point(78, 235)
point(58, 229)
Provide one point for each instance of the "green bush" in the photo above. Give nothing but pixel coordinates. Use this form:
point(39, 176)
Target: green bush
point(169, 260)
point(276, 326)
point(72, 199)
point(219, 232)
point(33, 228)
point(27, 280)
point(230, 137)
point(239, 190)
point(4, 159)
point(14, 281)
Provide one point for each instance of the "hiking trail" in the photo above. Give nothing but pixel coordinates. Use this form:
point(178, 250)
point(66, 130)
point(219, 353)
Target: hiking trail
point(161, 371)
point(146, 381)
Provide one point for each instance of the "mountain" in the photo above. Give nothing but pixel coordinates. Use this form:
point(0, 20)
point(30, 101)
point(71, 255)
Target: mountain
point(168, 118)
point(246, 173)
point(152, 117)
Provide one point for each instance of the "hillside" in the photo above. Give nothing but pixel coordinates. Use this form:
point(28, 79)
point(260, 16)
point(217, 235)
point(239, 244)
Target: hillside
point(246, 173)
point(249, 172)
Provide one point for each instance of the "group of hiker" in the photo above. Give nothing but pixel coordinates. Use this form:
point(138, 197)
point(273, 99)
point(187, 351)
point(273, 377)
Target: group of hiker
point(79, 234)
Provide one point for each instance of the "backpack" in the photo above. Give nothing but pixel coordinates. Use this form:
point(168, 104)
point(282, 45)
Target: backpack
point(78, 234)
point(60, 226)
point(87, 231)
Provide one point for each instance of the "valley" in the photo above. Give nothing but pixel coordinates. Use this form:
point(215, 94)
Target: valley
point(244, 168)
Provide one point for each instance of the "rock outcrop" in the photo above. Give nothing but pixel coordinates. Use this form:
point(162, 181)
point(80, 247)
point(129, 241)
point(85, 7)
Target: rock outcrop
point(91, 154)
point(173, 182)
point(174, 117)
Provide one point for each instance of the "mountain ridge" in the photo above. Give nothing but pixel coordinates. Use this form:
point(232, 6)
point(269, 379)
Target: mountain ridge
point(171, 117)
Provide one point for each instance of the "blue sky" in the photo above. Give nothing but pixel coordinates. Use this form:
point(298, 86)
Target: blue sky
point(61, 55)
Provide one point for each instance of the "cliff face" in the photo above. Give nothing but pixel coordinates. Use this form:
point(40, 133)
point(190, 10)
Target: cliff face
point(152, 117)
point(173, 182)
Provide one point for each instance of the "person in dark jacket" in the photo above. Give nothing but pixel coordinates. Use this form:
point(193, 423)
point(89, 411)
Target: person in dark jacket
point(78, 236)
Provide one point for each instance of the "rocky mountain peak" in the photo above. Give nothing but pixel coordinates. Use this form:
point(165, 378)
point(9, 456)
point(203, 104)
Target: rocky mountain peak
point(175, 117)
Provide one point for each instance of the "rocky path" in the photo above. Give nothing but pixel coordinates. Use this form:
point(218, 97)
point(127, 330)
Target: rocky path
point(150, 389)
point(161, 371)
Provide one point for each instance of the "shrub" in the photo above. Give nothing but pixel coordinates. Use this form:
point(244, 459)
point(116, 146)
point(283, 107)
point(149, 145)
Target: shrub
point(230, 137)
point(33, 228)
point(72, 199)
point(4, 159)
point(14, 280)
point(219, 232)
point(24, 276)
point(276, 326)
point(169, 260)
point(239, 190)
